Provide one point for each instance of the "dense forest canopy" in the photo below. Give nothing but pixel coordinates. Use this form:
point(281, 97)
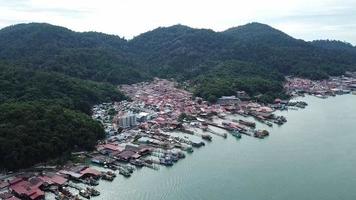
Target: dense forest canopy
point(35, 132)
point(50, 76)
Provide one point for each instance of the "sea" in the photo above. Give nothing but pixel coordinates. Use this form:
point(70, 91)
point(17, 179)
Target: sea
point(312, 156)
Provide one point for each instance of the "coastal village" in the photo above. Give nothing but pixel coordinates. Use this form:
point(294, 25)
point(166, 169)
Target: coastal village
point(159, 125)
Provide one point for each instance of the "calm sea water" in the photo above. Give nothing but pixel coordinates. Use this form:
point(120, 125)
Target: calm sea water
point(312, 156)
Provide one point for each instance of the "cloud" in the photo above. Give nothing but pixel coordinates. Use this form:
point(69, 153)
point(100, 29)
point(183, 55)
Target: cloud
point(306, 19)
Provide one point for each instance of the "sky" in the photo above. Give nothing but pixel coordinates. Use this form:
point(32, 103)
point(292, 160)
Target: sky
point(302, 19)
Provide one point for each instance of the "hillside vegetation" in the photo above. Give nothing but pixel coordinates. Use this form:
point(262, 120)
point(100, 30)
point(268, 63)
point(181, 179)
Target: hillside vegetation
point(50, 76)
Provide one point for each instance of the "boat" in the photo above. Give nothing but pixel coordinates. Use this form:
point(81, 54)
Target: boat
point(137, 163)
point(85, 194)
point(321, 96)
point(189, 149)
point(269, 124)
point(204, 127)
point(112, 167)
point(93, 192)
point(110, 173)
point(236, 133)
point(181, 155)
point(221, 115)
point(260, 133)
point(247, 123)
point(206, 137)
point(124, 172)
point(354, 92)
point(346, 91)
point(107, 177)
point(90, 181)
point(129, 168)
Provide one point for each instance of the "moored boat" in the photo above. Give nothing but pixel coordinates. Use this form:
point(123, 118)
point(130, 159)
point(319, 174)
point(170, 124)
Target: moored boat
point(107, 177)
point(269, 124)
point(136, 162)
point(93, 192)
point(247, 123)
point(206, 137)
point(124, 172)
point(85, 194)
point(236, 133)
point(260, 133)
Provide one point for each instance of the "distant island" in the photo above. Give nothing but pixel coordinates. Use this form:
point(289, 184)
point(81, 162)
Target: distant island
point(51, 76)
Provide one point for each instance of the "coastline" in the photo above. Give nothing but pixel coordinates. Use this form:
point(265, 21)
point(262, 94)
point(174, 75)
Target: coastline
point(220, 116)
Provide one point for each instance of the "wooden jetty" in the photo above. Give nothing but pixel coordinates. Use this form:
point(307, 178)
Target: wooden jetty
point(224, 128)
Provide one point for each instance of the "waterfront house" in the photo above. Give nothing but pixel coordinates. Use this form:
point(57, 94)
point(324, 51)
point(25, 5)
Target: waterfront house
point(8, 196)
point(53, 179)
point(13, 198)
point(110, 148)
point(90, 172)
point(103, 160)
point(3, 185)
point(126, 155)
point(70, 174)
point(28, 189)
point(228, 100)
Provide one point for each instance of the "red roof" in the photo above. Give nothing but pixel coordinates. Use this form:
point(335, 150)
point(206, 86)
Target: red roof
point(55, 179)
point(127, 154)
point(27, 189)
point(13, 198)
point(15, 180)
point(113, 147)
point(90, 171)
point(37, 194)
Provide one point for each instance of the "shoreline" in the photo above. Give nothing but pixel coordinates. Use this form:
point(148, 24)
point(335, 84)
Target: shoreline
point(174, 143)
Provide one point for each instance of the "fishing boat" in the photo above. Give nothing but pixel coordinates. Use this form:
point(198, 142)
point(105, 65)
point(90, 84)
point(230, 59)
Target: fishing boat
point(137, 163)
point(181, 155)
point(260, 133)
point(321, 96)
point(129, 168)
point(90, 181)
point(107, 177)
point(221, 115)
point(112, 167)
point(269, 124)
point(346, 91)
point(166, 162)
point(206, 137)
point(236, 133)
point(247, 123)
point(93, 192)
point(85, 194)
point(110, 173)
point(204, 127)
point(124, 172)
point(187, 148)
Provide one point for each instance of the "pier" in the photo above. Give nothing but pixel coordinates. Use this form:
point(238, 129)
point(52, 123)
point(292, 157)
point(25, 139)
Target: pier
point(224, 135)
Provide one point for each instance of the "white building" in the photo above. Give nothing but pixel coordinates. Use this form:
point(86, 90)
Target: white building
point(127, 120)
point(228, 100)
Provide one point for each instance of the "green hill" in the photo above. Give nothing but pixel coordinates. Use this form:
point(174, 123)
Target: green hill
point(48, 69)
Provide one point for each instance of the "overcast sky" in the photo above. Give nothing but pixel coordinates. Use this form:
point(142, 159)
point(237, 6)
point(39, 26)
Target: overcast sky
point(303, 19)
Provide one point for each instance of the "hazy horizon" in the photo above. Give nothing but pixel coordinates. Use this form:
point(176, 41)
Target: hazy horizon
point(301, 19)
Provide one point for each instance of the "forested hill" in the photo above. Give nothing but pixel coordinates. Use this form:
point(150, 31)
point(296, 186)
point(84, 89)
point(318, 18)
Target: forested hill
point(175, 51)
point(89, 55)
point(50, 73)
